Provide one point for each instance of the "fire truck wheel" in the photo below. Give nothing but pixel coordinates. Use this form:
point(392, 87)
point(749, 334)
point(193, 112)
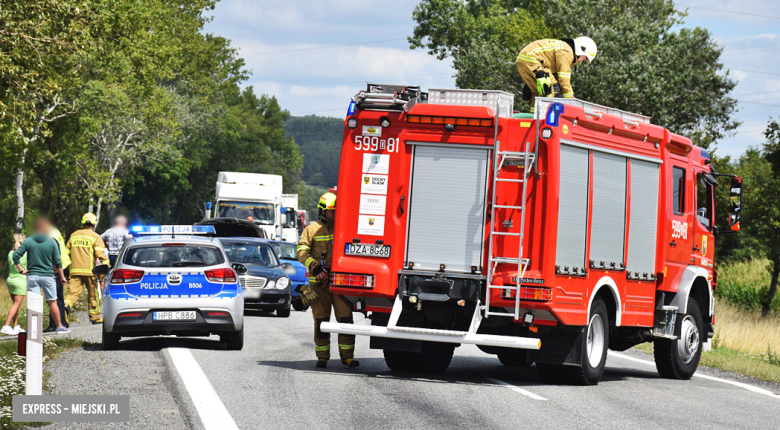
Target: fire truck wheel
point(436, 356)
point(594, 348)
point(679, 358)
point(400, 361)
point(512, 357)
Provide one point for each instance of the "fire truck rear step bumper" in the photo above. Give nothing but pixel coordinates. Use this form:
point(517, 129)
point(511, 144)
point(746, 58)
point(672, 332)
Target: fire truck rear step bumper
point(432, 335)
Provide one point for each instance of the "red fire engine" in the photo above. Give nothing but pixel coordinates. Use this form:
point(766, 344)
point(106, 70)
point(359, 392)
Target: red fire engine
point(542, 239)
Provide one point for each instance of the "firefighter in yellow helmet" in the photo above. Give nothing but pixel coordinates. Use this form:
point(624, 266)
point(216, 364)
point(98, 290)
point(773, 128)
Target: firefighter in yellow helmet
point(546, 66)
point(315, 250)
point(84, 246)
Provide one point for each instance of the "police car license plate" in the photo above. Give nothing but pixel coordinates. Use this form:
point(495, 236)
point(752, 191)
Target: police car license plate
point(367, 250)
point(175, 315)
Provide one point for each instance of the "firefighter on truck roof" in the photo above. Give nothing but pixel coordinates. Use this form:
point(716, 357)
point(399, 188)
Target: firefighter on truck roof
point(546, 66)
point(315, 250)
point(84, 246)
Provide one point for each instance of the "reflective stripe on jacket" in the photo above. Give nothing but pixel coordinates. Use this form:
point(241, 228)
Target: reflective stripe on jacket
point(555, 55)
point(56, 235)
point(315, 245)
point(84, 246)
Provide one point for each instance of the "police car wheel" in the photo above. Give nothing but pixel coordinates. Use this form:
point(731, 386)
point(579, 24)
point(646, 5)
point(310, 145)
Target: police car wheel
point(234, 340)
point(110, 340)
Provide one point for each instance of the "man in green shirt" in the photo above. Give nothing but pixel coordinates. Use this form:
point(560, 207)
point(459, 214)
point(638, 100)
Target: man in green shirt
point(43, 260)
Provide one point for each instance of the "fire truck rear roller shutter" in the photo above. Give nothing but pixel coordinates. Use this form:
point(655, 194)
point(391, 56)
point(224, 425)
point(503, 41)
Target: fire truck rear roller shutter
point(644, 219)
point(608, 221)
point(446, 214)
point(572, 209)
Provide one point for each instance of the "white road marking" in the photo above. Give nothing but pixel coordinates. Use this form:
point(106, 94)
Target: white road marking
point(517, 389)
point(211, 410)
point(748, 387)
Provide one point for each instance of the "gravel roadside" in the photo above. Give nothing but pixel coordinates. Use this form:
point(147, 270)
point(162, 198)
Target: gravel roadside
point(138, 369)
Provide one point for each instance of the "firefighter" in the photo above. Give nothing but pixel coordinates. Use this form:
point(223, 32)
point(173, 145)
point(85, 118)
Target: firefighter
point(315, 250)
point(546, 66)
point(84, 246)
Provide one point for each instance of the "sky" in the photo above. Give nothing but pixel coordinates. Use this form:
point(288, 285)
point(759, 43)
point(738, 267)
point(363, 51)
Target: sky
point(315, 55)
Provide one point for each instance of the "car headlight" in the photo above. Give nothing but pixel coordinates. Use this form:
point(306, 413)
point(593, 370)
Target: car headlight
point(269, 285)
point(282, 283)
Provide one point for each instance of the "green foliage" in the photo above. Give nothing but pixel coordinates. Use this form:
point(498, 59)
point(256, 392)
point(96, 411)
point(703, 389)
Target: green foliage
point(746, 284)
point(644, 64)
point(319, 139)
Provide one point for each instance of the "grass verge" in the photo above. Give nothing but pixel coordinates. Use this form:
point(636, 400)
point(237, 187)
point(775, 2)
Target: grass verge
point(12, 374)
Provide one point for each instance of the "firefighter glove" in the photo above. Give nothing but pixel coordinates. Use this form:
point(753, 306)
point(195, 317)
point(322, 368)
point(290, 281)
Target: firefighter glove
point(308, 296)
point(543, 83)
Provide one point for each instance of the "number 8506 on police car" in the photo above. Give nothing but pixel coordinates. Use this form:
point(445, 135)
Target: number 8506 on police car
point(373, 250)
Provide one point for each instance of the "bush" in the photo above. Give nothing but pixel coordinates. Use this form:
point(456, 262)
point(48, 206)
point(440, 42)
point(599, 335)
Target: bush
point(746, 284)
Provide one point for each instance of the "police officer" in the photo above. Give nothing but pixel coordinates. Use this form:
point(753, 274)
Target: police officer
point(546, 66)
point(315, 250)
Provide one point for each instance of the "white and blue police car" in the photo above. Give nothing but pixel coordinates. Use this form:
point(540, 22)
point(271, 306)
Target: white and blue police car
point(172, 280)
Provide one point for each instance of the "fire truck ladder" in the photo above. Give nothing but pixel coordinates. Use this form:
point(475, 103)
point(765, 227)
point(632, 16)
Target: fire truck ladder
point(501, 160)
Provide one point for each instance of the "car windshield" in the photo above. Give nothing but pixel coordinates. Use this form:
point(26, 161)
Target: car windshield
point(173, 255)
point(261, 213)
point(285, 251)
point(249, 252)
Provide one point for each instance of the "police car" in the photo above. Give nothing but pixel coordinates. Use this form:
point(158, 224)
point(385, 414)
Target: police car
point(172, 280)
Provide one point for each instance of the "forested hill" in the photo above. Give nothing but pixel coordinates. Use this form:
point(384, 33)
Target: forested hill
point(319, 140)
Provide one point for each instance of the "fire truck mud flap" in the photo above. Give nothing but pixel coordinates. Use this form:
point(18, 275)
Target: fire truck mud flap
point(432, 335)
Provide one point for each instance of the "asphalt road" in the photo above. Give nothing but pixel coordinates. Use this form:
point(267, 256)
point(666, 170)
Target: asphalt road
point(272, 383)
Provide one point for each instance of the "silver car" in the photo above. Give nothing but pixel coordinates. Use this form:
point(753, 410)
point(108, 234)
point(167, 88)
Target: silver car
point(182, 285)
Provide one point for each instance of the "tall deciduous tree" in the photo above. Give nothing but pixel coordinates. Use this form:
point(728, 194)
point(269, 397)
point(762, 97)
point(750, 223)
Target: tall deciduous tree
point(764, 225)
point(646, 63)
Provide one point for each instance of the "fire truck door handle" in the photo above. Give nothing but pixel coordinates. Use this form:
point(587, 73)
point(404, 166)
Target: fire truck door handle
point(672, 244)
point(401, 205)
point(696, 248)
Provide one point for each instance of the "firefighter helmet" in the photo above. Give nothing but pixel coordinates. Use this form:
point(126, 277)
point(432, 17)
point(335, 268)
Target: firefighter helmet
point(89, 218)
point(327, 202)
point(584, 45)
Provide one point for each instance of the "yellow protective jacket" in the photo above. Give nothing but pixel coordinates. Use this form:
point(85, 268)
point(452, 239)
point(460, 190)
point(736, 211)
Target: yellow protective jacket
point(555, 55)
point(315, 247)
point(56, 235)
point(83, 246)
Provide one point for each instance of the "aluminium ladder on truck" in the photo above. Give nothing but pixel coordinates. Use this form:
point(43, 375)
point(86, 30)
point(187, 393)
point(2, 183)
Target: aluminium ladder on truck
point(501, 160)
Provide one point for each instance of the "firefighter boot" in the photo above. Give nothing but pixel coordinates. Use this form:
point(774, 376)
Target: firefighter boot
point(322, 363)
point(351, 362)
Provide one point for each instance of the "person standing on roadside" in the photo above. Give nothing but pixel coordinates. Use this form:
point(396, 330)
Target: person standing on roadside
point(115, 237)
point(84, 246)
point(17, 288)
point(55, 234)
point(43, 258)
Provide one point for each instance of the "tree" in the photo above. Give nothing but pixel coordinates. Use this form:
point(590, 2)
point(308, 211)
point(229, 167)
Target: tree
point(643, 64)
point(764, 214)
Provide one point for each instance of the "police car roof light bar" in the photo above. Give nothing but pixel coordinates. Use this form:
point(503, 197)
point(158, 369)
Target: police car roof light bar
point(173, 230)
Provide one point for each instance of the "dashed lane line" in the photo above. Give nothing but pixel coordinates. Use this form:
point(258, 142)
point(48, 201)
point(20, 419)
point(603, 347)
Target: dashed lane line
point(748, 387)
point(517, 389)
point(211, 410)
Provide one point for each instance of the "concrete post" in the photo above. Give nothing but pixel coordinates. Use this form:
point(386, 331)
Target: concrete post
point(34, 344)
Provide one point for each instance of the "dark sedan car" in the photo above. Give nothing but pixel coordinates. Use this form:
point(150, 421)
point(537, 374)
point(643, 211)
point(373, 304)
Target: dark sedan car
point(266, 285)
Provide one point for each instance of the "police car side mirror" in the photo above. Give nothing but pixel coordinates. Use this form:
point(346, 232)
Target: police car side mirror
point(102, 269)
point(239, 268)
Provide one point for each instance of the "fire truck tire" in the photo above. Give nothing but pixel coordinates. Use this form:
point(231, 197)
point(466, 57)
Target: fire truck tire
point(400, 361)
point(595, 339)
point(434, 358)
point(679, 358)
point(512, 357)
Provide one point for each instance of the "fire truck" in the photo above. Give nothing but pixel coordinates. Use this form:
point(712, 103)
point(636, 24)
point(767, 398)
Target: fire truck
point(546, 238)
